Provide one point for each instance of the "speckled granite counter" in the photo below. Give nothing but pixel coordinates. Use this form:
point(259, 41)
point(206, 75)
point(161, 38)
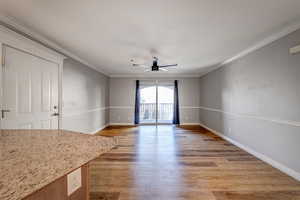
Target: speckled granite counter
point(31, 159)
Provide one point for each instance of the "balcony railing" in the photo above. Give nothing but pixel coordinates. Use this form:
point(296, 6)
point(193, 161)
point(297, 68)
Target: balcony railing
point(148, 112)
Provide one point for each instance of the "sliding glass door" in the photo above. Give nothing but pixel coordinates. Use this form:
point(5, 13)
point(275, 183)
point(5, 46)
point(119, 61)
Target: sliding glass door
point(156, 102)
point(165, 102)
point(148, 104)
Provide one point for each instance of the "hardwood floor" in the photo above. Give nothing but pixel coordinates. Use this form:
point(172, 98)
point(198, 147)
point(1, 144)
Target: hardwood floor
point(170, 163)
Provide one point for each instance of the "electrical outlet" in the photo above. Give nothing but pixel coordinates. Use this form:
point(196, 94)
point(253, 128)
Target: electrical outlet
point(74, 181)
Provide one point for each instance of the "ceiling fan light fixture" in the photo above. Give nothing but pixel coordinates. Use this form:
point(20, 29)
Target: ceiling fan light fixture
point(155, 67)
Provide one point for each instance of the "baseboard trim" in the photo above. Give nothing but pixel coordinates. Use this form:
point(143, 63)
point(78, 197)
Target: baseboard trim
point(121, 124)
point(132, 124)
point(190, 124)
point(99, 129)
point(275, 164)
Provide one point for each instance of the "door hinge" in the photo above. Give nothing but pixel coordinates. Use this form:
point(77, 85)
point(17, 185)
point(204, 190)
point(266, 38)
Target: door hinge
point(3, 113)
point(3, 62)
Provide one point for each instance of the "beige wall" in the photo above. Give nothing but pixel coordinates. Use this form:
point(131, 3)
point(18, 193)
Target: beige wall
point(122, 99)
point(85, 98)
point(255, 101)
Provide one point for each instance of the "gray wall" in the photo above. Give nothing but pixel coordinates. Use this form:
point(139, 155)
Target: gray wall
point(255, 101)
point(85, 98)
point(122, 99)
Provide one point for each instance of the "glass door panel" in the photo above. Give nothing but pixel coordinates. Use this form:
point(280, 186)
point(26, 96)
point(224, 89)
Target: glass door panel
point(165, 102)
point(148, 105)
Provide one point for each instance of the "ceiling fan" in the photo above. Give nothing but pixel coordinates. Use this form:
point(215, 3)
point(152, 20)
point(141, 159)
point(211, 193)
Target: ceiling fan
point(154, 67)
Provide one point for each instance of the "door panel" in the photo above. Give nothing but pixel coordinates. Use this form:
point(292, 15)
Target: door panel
point(30, 91)
point(148, 104)
point(165, 102)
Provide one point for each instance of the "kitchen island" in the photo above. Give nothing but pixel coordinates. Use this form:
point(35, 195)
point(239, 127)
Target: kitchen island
point(47, 164)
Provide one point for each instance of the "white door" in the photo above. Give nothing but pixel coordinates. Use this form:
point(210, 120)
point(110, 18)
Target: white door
point(30, 91)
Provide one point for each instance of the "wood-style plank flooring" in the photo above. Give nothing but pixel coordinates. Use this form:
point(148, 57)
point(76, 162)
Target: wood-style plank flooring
point(171, 163)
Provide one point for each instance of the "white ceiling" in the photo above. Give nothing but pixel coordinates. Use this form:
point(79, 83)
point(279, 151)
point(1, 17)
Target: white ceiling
point(196, 34)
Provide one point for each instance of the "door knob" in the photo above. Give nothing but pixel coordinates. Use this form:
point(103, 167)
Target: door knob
point(3, 113)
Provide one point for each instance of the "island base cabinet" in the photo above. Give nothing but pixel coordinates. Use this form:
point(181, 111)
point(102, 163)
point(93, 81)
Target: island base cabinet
point(58, 190)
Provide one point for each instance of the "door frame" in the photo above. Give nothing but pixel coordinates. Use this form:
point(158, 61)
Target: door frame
point(1, 79)
point(15, 40)
point(156, 82)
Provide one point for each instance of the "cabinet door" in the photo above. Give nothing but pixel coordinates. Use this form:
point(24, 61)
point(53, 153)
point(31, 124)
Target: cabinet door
point(57, 190)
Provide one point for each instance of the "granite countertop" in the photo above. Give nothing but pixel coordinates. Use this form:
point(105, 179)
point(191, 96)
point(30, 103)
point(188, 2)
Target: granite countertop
point(31, 159)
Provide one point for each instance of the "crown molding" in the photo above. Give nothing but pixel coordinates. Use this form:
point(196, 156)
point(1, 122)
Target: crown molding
point(292, 27)
point(154, 75)
point(12, 24)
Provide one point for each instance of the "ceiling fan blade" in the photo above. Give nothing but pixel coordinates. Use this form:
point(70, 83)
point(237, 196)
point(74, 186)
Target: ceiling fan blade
point(174, 65)
point(139, 65)
point(162, 69)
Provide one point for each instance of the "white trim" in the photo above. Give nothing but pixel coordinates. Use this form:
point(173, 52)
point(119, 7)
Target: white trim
point(130, 124)
point(84, 112)
point(121, 107)
point(121, 124)
point(99, 129)
point(189, 107)
point(21, 28)
point(60, 93)
point(210, 109)
point(277, 165)
point(8, 21)
point(15, 40)
point(278, 121)
point(155, 75)
point(1, 82)
point(295, 50)
point(131, 107)
point(12, 39)
point(189, 124)
point(272, 38)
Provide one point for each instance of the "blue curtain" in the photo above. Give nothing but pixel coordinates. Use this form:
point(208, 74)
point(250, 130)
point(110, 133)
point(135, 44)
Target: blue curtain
point(176, 104)
point(137, 103)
